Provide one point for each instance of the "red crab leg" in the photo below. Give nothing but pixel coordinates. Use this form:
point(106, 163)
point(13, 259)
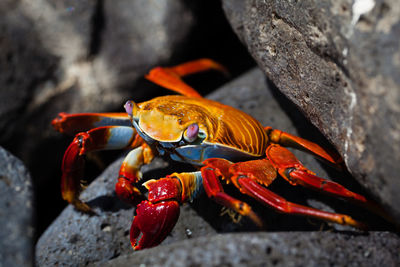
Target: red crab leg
point(265, 196)
point(129, 174)
point(213, 169)
point(102, 138)
point(170, 77)
point(290, 168)
point(286, 139)
point(157, 216)
point(75, 123)
point(246, 176)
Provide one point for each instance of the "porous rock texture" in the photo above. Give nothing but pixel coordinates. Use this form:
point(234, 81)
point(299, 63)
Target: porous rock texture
point(78, 239)
point(16, 212)
point(272, 249)
point(339, 62)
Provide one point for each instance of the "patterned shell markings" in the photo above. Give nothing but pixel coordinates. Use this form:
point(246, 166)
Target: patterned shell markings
point(165, 119)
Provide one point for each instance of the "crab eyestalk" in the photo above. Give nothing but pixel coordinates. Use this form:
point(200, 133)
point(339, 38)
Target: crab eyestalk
point(131, 108)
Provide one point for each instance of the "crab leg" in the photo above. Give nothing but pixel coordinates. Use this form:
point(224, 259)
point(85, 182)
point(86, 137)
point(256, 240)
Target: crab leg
point(102, 138)
point(247, 176)
point(170, 77)
point(286, 139)
point(157, 216)
point(290, 168)
point(213, 169)
point(265, 196)
point(130, 175)
point(74, 123)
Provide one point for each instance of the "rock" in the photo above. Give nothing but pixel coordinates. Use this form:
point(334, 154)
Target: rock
point(79, 239)
point(339, 63)
point(85, 56)
point(75, 56)
point(16, 212)
point(272, 249)
point(24, 63)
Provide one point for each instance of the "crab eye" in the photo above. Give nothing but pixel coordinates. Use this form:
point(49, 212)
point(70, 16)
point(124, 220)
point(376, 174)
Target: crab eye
point(191, 132)
point(130, 107)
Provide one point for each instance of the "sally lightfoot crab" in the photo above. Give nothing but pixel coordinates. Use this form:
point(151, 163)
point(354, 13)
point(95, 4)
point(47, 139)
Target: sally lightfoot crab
point(223, 142)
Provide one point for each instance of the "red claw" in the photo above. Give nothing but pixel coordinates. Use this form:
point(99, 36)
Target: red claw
point(154, 222)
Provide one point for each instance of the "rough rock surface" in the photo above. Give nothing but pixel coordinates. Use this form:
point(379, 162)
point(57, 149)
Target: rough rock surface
point(24, 63)
point(75, 56)
point(339, 62)
point(272, 249)
point(77, 239)
point(78, 56)
point(16, 212)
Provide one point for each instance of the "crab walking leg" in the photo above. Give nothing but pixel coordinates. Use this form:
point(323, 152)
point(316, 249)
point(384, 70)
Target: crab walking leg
point(265, 196)
point(102, 138)
point(290, 168)
point(295, 173)
point(74, 123)
point(196, 66)
point(130, 175)
point(286, 139)
point(170, 77)
point(213, 169)
point(156, 217)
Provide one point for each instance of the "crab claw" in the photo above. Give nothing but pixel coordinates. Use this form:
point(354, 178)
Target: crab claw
point(153, 223)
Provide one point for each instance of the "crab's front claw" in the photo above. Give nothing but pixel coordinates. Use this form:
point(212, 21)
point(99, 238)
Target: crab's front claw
point(153, 223)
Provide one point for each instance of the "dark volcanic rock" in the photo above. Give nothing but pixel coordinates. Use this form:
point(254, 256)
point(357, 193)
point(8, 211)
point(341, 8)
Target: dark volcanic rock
point(77, 56)
point(339, 62)
point(24, 63)
point(76, 239)
point(16, 212)
point(273, 249)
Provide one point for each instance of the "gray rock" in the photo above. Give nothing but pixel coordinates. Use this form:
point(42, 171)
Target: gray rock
point(272, 249)
point(24, 63)
point(16, 212)
point(77, 56)
point(76, 239)
point(152, 31)
point(338, 61)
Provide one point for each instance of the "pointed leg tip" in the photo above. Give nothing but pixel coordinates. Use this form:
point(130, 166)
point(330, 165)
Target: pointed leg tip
point(83, 207)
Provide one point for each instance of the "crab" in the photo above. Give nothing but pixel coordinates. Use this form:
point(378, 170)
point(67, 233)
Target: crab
point(224, 143)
